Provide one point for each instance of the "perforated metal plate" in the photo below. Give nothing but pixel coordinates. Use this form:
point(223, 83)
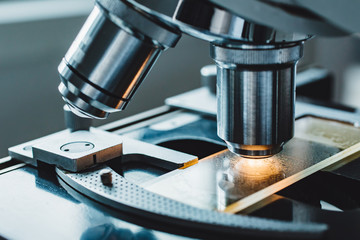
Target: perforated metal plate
point(128, 197)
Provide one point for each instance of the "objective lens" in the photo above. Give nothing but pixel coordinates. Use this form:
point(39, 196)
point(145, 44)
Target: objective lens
point(109, 59)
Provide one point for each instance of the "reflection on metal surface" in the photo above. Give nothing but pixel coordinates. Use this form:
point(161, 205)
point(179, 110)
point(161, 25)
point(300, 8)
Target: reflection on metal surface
point(201, 185)
point(224, 177)
point(246, 176)
point(348, 154)
point(332, 133)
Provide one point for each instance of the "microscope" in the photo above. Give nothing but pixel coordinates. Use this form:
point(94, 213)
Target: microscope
point(242, 159)
point(256, 61)
point(256, 65)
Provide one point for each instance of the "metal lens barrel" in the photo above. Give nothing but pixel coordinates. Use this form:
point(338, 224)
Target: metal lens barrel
point(256, 96)
point(112, 54)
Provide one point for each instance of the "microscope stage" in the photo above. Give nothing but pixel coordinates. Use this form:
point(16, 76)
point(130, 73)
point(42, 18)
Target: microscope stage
point(175, 176)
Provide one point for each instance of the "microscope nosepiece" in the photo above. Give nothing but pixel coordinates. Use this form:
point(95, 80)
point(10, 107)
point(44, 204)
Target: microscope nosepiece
point(110, 57)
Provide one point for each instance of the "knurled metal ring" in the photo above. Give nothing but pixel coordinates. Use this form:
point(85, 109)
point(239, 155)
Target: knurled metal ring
point(257, 56)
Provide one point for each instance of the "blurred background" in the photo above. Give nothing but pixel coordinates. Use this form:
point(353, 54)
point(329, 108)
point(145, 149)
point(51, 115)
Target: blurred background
point(34, 36)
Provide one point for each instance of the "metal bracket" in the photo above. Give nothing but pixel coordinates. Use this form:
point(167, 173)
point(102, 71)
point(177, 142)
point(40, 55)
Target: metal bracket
point(73, 151)
point(76, 151)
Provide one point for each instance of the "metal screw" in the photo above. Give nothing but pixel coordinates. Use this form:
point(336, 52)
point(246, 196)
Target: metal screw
point(106, 177)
